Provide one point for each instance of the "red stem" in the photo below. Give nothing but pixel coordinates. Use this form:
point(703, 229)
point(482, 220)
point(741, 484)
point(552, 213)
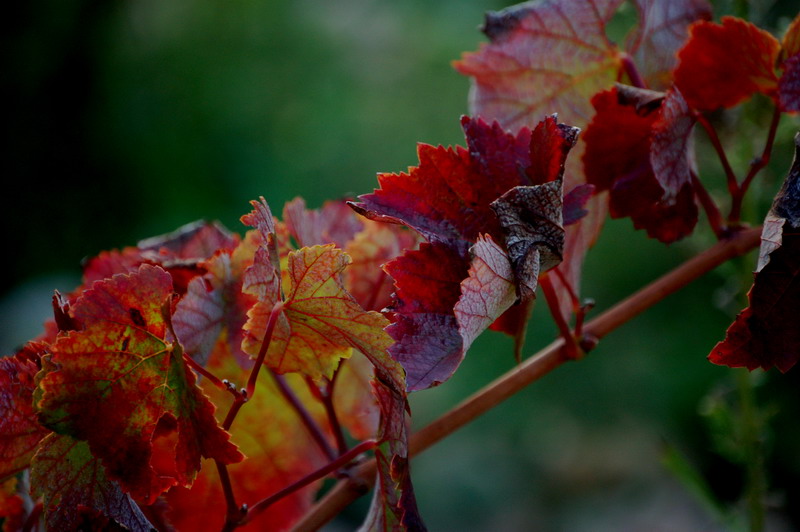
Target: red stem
point(755, 166)
point(710, 207)
point(346, 458)
point(210, 376)
point(630, 68)
point(550, 295)
point(327, 401)
point(733, 186)
point(313, 428)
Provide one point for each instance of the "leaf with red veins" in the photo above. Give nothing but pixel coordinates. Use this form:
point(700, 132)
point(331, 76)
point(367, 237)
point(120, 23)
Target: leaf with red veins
point(125, 369)
point(789, 85)
point(487, 292)
point(619, 158)
point(355, 406)
point(662, 30)
point(531, 218)
point(279, 452)
point(320, 321)
point(765, 334)
point(670, 144)
point(69, 478)
point(543, 57)
point(334, 223)
point(110, 263)
point(427, 287)
point(213, 311)
point(262, 220)
point(371, 248)
point(197, 240)
point(393, 507)
point(20, 431)
point(722, 65)
point(444, 198)
point(12, 507)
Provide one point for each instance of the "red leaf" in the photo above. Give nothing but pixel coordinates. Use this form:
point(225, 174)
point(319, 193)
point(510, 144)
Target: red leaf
point(69, 478)
point(765, 334)
point(543, 57)
point(791, 39)
point(427, 287)
point(12, 507)
point(20, 431)
point(213, 311)
point(789, 85)
point(194, 241)
point(125, 357)
point(662, 30)
point(334, 223)
point(487, 292)
point(621, 151)
point(722, 65)
point(394, 507)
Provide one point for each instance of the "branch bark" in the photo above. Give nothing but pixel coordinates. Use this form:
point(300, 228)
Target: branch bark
point(543, 362)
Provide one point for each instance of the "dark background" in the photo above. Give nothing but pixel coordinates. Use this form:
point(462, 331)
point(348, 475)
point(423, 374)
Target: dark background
point(128, 119)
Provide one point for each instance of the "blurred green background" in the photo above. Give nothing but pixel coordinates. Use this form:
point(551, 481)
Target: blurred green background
point(128, 119)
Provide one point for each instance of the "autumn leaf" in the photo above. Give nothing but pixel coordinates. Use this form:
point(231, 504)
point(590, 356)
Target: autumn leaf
point(789, 85)
point(12, 507)
point(20, 431)
point(543, 57)
point(765, 334)
point(448, 200)
point(394, 506)
point(71, 481)
point(662, 30)
point(125, 369)
point(319, 322)
point(487, 292)
point(279, 451)
point(214, 310)
point(724, 64)
point(641, 156)
point(334, 223)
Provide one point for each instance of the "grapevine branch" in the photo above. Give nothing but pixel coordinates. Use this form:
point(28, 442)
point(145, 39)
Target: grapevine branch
point(546, 360)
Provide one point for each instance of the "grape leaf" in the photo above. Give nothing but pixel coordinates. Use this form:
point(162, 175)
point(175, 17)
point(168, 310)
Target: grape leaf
point(790, 43)
point(487, 292)
point(393, 507)
point(356, 408)
point(531, 218)
point(320, 322)
point(70, 479)
point(622, 147)
point(278, 448)
point(662, 30)
point(448, 199)
point(214, 310)
point(125, 369)
point(543, 57)
point(789, 85)
point(722, 65)
point(375, 245)
point(765, 334)
point(12, 507)
point(20, 431)
point(334, 223)
point(193, 241)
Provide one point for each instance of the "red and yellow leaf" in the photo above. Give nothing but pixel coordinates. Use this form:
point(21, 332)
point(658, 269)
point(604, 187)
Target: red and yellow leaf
point(71, 481)
point(543, 57)
point(125, 369)
point(334, 223)
point(722, 65)
point(20, 431)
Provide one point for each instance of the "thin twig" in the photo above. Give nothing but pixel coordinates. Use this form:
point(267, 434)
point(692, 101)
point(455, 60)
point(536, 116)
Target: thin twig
point(755, 166)
point(710, 207)
point(733, 185)
point(532, 369)
point(633, 73)
point(570, 346)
